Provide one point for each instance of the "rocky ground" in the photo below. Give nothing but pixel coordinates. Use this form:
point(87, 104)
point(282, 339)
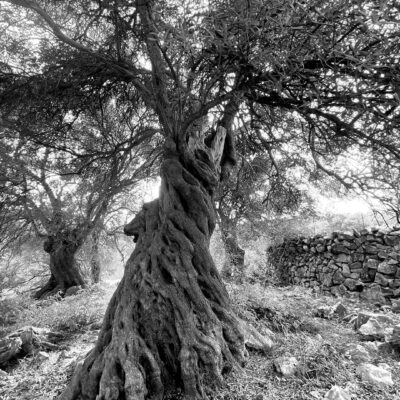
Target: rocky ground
point(325, 347)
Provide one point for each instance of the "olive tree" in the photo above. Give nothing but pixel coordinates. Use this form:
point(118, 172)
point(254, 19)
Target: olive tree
point(321, 77)
point(63, 196)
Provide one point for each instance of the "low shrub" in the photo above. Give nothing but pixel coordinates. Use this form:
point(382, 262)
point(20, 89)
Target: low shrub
point(10, 312)
point(265, 306)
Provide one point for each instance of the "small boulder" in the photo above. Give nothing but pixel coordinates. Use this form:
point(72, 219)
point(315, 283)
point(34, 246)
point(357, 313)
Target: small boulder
point(346, 270)
point(42, 356)
point(394, 338)
point(376, 376)
point(341, 251)
point(357, 353)
point(328, 312)
point(387, 268)
point(338, 278)
point(396, 306)
point(286, 366)
point(371, 347)
point(384, 348)
point(324, 312)
point(339, 309)
point(327, 280)
point(382, 279)
point(353, 285)
point(339, 291)
point(373, 294)
point(254, 340)
point(384, 319)
point(370, 249)
point(337, 393)
point(361, 318)
point(395, 284)
point(372, 263)
point(372, 330)
point(343, 258)
point(385, 366)
point(364, 316)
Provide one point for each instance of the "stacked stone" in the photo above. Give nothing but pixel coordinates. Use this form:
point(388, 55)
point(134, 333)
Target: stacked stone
point(342, 261)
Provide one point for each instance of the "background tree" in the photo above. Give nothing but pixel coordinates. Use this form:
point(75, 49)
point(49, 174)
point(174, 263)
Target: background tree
point(237, 200)
point(64, 196)
point(323, 78)
point(95, 265)
point(262, 187)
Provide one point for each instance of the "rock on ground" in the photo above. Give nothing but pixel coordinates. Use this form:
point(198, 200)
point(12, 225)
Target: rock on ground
point(337, 393)
point(357, 353)
point(396, 306)
point(286, 366)
point(364, 316)
point(394, 339)
point(328, 312)
point(377, 376)
point(372, 330)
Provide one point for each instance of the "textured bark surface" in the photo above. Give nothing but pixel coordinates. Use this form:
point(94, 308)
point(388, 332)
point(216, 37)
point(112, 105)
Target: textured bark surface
point(95, 266)
point(169, 324)
point(64, 271)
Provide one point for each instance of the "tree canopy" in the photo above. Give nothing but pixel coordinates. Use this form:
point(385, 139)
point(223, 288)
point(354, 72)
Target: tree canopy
point(62, 188)
point(307, 79)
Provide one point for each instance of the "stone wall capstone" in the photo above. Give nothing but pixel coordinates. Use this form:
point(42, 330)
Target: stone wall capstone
point(366, 261)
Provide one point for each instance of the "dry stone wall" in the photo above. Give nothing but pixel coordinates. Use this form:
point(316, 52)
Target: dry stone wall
point(366, 261)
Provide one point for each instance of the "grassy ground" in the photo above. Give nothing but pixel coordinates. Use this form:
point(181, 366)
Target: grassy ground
point(289, 312)
point(318, 344)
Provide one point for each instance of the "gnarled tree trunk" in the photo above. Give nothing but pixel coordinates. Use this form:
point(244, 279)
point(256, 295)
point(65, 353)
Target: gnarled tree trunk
point(64, 271)
point(169, 324)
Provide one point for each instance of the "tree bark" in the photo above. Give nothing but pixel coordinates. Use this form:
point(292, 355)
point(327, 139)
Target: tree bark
point(95, 266)
point(64, 271)
point(169, 324)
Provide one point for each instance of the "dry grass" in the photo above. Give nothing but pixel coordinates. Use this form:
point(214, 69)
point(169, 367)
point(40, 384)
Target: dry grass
point(33, 378)
point(316, 343)
point(288, 312)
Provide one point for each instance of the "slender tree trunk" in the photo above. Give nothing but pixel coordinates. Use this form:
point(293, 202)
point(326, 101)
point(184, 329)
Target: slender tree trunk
point(169, 324)
point(95, 266)
point(64, 271)
point(234, 262)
